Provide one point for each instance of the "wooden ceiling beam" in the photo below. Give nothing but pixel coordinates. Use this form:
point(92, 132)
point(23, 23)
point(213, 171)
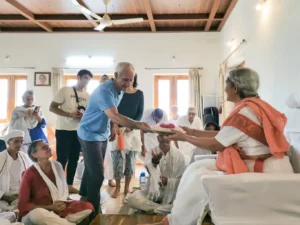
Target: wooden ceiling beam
point(212, 14)
point(82, 18)
point(229, 10)
point(148, 9)
point(107, 30)
point(90, 19)
point(29, 15)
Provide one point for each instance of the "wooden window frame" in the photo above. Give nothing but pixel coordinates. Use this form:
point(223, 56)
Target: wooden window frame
point(11, 93)
point(173, 87)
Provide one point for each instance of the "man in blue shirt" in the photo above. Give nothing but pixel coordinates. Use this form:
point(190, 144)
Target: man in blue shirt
point(94, 129)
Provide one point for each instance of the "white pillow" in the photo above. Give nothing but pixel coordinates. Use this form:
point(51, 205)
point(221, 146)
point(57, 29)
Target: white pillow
point(253, 198)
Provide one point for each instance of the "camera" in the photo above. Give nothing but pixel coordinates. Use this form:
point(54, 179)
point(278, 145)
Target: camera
point(81, 109)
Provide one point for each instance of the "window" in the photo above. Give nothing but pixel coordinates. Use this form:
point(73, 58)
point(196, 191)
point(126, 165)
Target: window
point(171, 90)
point(71, 80)
point(12, 89)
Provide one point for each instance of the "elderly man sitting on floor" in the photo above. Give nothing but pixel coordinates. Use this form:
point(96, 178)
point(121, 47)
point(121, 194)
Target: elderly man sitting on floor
point(165, 169)
point(12, 164)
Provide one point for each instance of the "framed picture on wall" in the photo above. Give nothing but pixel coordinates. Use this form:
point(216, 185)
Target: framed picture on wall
point(42, 79)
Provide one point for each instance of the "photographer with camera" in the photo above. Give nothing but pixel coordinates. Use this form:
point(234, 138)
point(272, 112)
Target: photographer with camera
point(69, 104)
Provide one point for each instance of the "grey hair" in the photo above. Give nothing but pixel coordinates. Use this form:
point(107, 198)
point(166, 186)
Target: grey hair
point(174, 106)
point(26, 93)
point(246, 80)
point(33, 149)
point(122, 67)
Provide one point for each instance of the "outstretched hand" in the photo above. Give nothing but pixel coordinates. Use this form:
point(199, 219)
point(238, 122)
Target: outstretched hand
point(188, 131)
point(143, 126)
point(177, 136)
point(156, 157)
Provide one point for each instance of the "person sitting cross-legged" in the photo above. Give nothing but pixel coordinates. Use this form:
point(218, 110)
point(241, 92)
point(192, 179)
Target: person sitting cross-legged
point(43, 197)
point(165, 169)
point(13, 163)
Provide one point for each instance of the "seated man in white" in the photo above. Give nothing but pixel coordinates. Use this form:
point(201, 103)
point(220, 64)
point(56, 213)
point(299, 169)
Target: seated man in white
point(251, 140)
point(13, 163)
point(165, 169)
point(152, 117)
point(175, 116)
point(192, 121)
point(292, 128)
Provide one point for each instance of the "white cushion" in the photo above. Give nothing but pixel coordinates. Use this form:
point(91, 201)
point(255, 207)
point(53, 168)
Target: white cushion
point(253, 198)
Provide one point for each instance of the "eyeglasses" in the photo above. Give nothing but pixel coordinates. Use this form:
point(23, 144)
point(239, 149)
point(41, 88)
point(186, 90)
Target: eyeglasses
point(45, 147)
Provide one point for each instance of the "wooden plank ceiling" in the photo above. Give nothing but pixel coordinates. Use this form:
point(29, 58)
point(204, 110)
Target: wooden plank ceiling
point(158, 15)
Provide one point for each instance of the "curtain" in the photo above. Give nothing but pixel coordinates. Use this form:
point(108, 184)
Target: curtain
point(224, 104)
point(222, 95)
point(57, 79)
point(195, 90)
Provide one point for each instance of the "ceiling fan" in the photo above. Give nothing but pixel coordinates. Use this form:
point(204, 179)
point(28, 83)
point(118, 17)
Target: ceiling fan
point(105, 21)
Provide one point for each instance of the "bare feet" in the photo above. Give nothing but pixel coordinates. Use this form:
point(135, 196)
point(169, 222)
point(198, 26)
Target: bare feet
point(72, 190)
point(111, 183)
point(116, 193)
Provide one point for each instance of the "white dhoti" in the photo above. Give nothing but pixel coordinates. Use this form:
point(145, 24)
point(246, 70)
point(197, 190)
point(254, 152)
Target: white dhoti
point(139, 200)
point(6, 207)
point(41, 216)
point(191, 202)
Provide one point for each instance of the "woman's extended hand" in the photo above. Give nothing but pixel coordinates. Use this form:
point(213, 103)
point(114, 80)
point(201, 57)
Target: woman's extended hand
point(188, 131)
point(177, 136)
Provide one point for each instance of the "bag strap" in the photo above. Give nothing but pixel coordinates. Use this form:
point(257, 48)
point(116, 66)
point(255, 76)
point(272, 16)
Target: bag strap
point(76, 96)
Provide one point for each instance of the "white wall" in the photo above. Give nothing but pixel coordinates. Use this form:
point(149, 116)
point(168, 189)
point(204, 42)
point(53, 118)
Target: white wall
point(44, 51)
point(273, 45)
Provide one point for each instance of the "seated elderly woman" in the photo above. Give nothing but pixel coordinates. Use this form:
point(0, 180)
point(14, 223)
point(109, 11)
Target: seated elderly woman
point(43, 197)
point(251, 140)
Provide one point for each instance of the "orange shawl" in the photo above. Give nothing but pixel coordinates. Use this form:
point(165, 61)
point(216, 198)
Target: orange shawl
point(270, 134)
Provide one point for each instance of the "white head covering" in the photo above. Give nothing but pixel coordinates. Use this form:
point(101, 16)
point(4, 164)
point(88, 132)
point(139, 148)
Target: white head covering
point(293, 100)
point(13, 134)
point(192, 109)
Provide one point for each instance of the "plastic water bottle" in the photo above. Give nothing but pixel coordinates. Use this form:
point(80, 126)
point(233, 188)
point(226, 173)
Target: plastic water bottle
point(143, 180)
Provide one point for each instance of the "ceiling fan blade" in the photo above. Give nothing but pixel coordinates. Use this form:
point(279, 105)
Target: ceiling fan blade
point(85, 10)
point(100, 27)
point(125, 21)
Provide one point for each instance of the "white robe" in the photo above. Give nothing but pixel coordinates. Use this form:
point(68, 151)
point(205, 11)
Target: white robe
point(18, 122)
point(172, 166)
point(186, 147)
point(191, 201)
point(5, 167)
